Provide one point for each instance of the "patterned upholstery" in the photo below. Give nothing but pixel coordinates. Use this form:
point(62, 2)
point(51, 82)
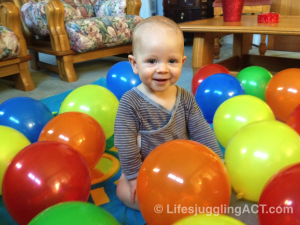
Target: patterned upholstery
point(90, 24)
point(9, 44)
point(92, 33)
point(109, 8)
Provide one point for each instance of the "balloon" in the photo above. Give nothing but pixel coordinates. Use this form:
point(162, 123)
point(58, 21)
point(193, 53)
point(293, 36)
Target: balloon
point(181, 174)
point(205, 72)
point(255, 80)
point(294, 120)
point(96, 101)
point(214, 90)
point(204, 219)
point(256, 152)
point(41, 175)
point(12, 141)
point(283, 93)
point(80, 131)
point(280, 198)
point(237, 112)
point(75, 213)
point(121, 78)
point(221, 147)
point(26, 115)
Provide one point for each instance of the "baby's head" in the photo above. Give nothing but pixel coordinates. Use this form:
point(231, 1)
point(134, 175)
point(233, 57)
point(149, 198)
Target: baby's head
point(158, 54)
point(156, 29)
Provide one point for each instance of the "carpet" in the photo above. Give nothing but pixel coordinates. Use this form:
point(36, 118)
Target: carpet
point(103, 194)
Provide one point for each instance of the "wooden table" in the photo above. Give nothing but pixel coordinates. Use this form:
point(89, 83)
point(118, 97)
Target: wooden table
point(206, 30)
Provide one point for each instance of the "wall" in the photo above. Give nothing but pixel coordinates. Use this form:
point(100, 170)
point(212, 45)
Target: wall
point(160, 8)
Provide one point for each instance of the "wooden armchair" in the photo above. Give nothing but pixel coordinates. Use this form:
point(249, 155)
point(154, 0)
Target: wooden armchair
point(13, 50)
point(74, 31)
point(250, 6)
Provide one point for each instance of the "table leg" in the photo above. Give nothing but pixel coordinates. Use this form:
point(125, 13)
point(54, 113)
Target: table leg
point(241, 44)
point(203, 49)
point(262, 45)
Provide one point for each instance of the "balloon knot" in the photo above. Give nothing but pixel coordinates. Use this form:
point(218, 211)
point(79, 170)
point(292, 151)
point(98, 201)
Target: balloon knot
point(240, 195)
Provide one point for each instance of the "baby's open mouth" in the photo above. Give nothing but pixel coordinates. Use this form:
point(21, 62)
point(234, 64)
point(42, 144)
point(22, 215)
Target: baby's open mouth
point(160, 80)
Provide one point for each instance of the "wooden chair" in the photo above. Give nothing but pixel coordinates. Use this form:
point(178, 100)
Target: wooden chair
point(250, 6)
point(14, 64)
point(58, 43)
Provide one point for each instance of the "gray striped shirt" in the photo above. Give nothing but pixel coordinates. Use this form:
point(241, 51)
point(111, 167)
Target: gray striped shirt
point(142, 124)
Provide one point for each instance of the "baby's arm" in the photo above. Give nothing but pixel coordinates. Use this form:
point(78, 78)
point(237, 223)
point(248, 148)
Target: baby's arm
point(199, 129)
point(126, 131)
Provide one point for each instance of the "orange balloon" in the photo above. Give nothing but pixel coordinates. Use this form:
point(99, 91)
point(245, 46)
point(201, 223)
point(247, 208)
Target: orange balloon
point(283, 93)
point(181, 178)
point(80, 131)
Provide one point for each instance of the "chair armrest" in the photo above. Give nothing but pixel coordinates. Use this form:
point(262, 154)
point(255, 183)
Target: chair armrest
point(133, 7)
point(10, 18)
point(55, 13)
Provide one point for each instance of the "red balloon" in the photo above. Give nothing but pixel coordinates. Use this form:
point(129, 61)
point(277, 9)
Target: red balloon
point(41, 175)
point(179, 177)
point(80, 131)
point(294, 120)
point(279, 202)
point(205, 72)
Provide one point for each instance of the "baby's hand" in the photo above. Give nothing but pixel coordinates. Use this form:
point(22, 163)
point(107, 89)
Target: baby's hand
point(132, 184)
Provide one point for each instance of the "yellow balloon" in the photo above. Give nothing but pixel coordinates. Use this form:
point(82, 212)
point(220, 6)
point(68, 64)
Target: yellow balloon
point(256, 152)
point(237, 112)
point(11, 142)
point(203, 219)
point(96, 101)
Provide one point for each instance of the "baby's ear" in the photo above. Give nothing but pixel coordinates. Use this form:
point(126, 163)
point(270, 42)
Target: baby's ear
point(183, 59)
point(133, 64)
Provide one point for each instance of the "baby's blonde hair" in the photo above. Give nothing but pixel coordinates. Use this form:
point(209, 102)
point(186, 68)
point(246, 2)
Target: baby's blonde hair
point(155, 21)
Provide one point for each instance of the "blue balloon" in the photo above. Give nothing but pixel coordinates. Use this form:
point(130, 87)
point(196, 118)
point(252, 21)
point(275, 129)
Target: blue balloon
point(27, 115)
point(120, 79)
point(214, 90)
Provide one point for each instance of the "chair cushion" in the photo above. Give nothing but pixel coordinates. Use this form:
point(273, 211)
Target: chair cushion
point(109, 7)
point(93, 33)
point(218, 3)
point(9, 44)
point(34, 14)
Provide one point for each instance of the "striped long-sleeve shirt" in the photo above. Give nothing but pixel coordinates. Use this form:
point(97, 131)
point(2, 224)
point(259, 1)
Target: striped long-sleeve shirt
point(142, 124)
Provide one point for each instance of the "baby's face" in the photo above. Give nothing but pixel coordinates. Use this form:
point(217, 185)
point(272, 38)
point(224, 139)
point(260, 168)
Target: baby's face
point(159, 58)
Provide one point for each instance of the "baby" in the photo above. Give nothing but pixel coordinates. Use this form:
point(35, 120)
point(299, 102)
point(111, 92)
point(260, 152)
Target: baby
point(157, 110)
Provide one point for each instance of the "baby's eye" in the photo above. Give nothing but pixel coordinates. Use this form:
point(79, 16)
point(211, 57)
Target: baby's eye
point(152, 61)
point(172, 61)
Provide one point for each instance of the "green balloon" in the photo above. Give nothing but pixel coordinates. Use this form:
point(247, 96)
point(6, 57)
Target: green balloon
point(75, 213)
point(255, 79)
point(96, 101)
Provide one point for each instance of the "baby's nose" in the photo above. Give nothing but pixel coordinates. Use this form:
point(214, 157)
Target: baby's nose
point(162, 68)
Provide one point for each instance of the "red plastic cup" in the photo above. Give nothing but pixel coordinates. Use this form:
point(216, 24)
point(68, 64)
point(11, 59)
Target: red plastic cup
point(232, 10)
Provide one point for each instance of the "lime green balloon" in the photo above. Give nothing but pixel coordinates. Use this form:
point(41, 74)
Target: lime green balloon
point(11, 142)
point(237, 112)
point(256, 152)
point(203, 219)
point(96, 101)
point(75, 213)
point(255, 79)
